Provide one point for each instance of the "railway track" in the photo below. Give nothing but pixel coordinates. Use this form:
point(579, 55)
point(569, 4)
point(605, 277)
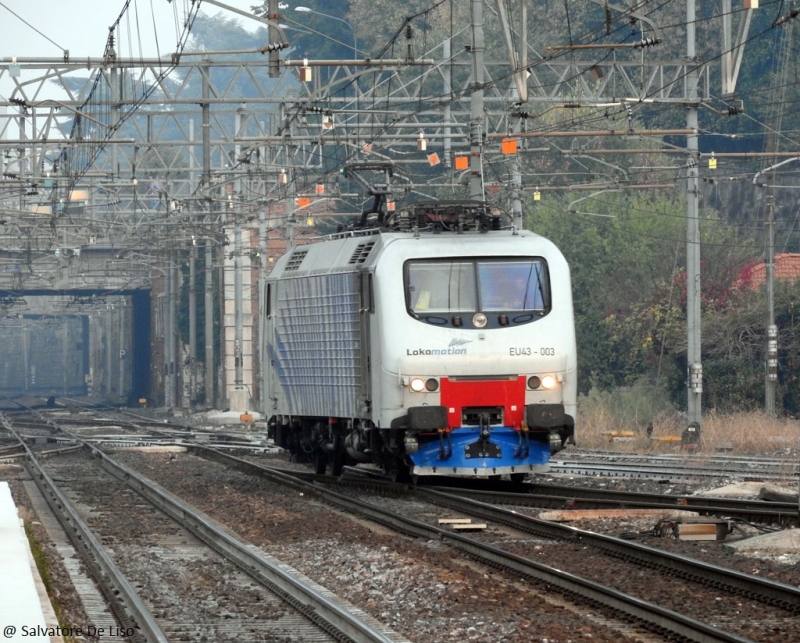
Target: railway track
point(553, 496)
point(650, 615)
point(776, 603)
point(192, 581)
point(783, 514)
point(674, 467)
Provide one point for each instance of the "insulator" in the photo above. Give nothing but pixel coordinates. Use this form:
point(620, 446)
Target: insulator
point(647, 42)
point(783, 19)
point(409, 32)
point(274, 46)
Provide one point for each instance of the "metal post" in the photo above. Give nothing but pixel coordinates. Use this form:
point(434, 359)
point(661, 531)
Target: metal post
point(238, 379)
point(192, 293)
point(771, 371)
point(516, 173)
point(222, 391)
point(21, 152)
point(208, 309)
point(238, 318)
point(262, 288)
point(771, 375)
point(173, 320)
point(272, 35)
point(476, 105)
point(122, 312)
point(693, 311)
point(25, 361)
point(290, 220)
point(169, 388)
point(192, 324)
point(108, 375)
point(447, 112)
point(209, 251)
point(66, 369)
point(115, 86)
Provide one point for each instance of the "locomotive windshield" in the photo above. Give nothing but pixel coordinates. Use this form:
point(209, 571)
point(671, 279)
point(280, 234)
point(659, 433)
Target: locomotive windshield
point(459, 286)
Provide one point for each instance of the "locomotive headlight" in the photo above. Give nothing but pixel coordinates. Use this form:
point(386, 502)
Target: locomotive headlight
point(479, 320)
point(417, 385)
point(534, 382)
point(549, 382)
point(432, 384)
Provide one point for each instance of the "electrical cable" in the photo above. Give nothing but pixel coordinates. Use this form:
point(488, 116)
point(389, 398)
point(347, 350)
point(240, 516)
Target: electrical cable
point(25, 22)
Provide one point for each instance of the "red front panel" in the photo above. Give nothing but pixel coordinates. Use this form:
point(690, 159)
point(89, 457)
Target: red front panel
point(510, 394)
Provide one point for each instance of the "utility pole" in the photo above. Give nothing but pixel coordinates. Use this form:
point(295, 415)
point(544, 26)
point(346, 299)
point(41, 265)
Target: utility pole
point(771, 371)
point(771, 375)
point(693, 310)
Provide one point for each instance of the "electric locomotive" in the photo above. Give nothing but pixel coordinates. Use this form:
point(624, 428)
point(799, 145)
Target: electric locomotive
point(440, 342)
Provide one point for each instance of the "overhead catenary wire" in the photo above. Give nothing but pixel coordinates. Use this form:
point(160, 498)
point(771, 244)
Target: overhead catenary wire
point(27, 24)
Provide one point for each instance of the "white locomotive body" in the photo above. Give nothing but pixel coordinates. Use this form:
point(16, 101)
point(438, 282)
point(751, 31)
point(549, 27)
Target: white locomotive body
point(438, 352)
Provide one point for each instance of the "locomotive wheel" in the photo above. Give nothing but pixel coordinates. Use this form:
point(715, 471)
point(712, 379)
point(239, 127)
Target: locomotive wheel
point(337, 463)
point(320, 462)
point(518, 478)
point(280, 435)
point(400, 475)
point(399, 471)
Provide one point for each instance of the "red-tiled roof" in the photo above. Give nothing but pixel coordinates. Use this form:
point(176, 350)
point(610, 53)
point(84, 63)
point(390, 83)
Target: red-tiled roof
point(787, 268)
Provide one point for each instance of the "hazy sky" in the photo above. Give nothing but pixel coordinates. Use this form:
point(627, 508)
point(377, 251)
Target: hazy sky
point(81, 26)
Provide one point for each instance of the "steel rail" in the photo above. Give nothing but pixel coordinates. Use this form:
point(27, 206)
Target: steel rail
point(122, 595)
point(42, 454)
point(649, 614)
point(631, 470)
point(319, 608)
point(316, 606)
point(557, 496)
point(715, 459)
point(777, 593)
point(721, 462)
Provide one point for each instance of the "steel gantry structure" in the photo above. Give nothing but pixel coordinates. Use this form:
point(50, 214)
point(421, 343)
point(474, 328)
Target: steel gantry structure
point(113, 164)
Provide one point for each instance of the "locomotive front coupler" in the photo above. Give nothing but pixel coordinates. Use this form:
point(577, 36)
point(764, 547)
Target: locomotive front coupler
point(485, 429)
point(483, 447)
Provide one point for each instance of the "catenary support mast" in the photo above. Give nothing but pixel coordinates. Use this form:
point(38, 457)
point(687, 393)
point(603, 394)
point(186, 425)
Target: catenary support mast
point(695, 367)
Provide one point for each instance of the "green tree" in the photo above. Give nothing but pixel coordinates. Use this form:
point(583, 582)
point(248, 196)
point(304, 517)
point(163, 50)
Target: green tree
point(627, 256)
point(622, 251)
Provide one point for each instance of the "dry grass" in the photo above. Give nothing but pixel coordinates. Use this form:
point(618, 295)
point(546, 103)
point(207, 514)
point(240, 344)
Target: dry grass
point(740, 433)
